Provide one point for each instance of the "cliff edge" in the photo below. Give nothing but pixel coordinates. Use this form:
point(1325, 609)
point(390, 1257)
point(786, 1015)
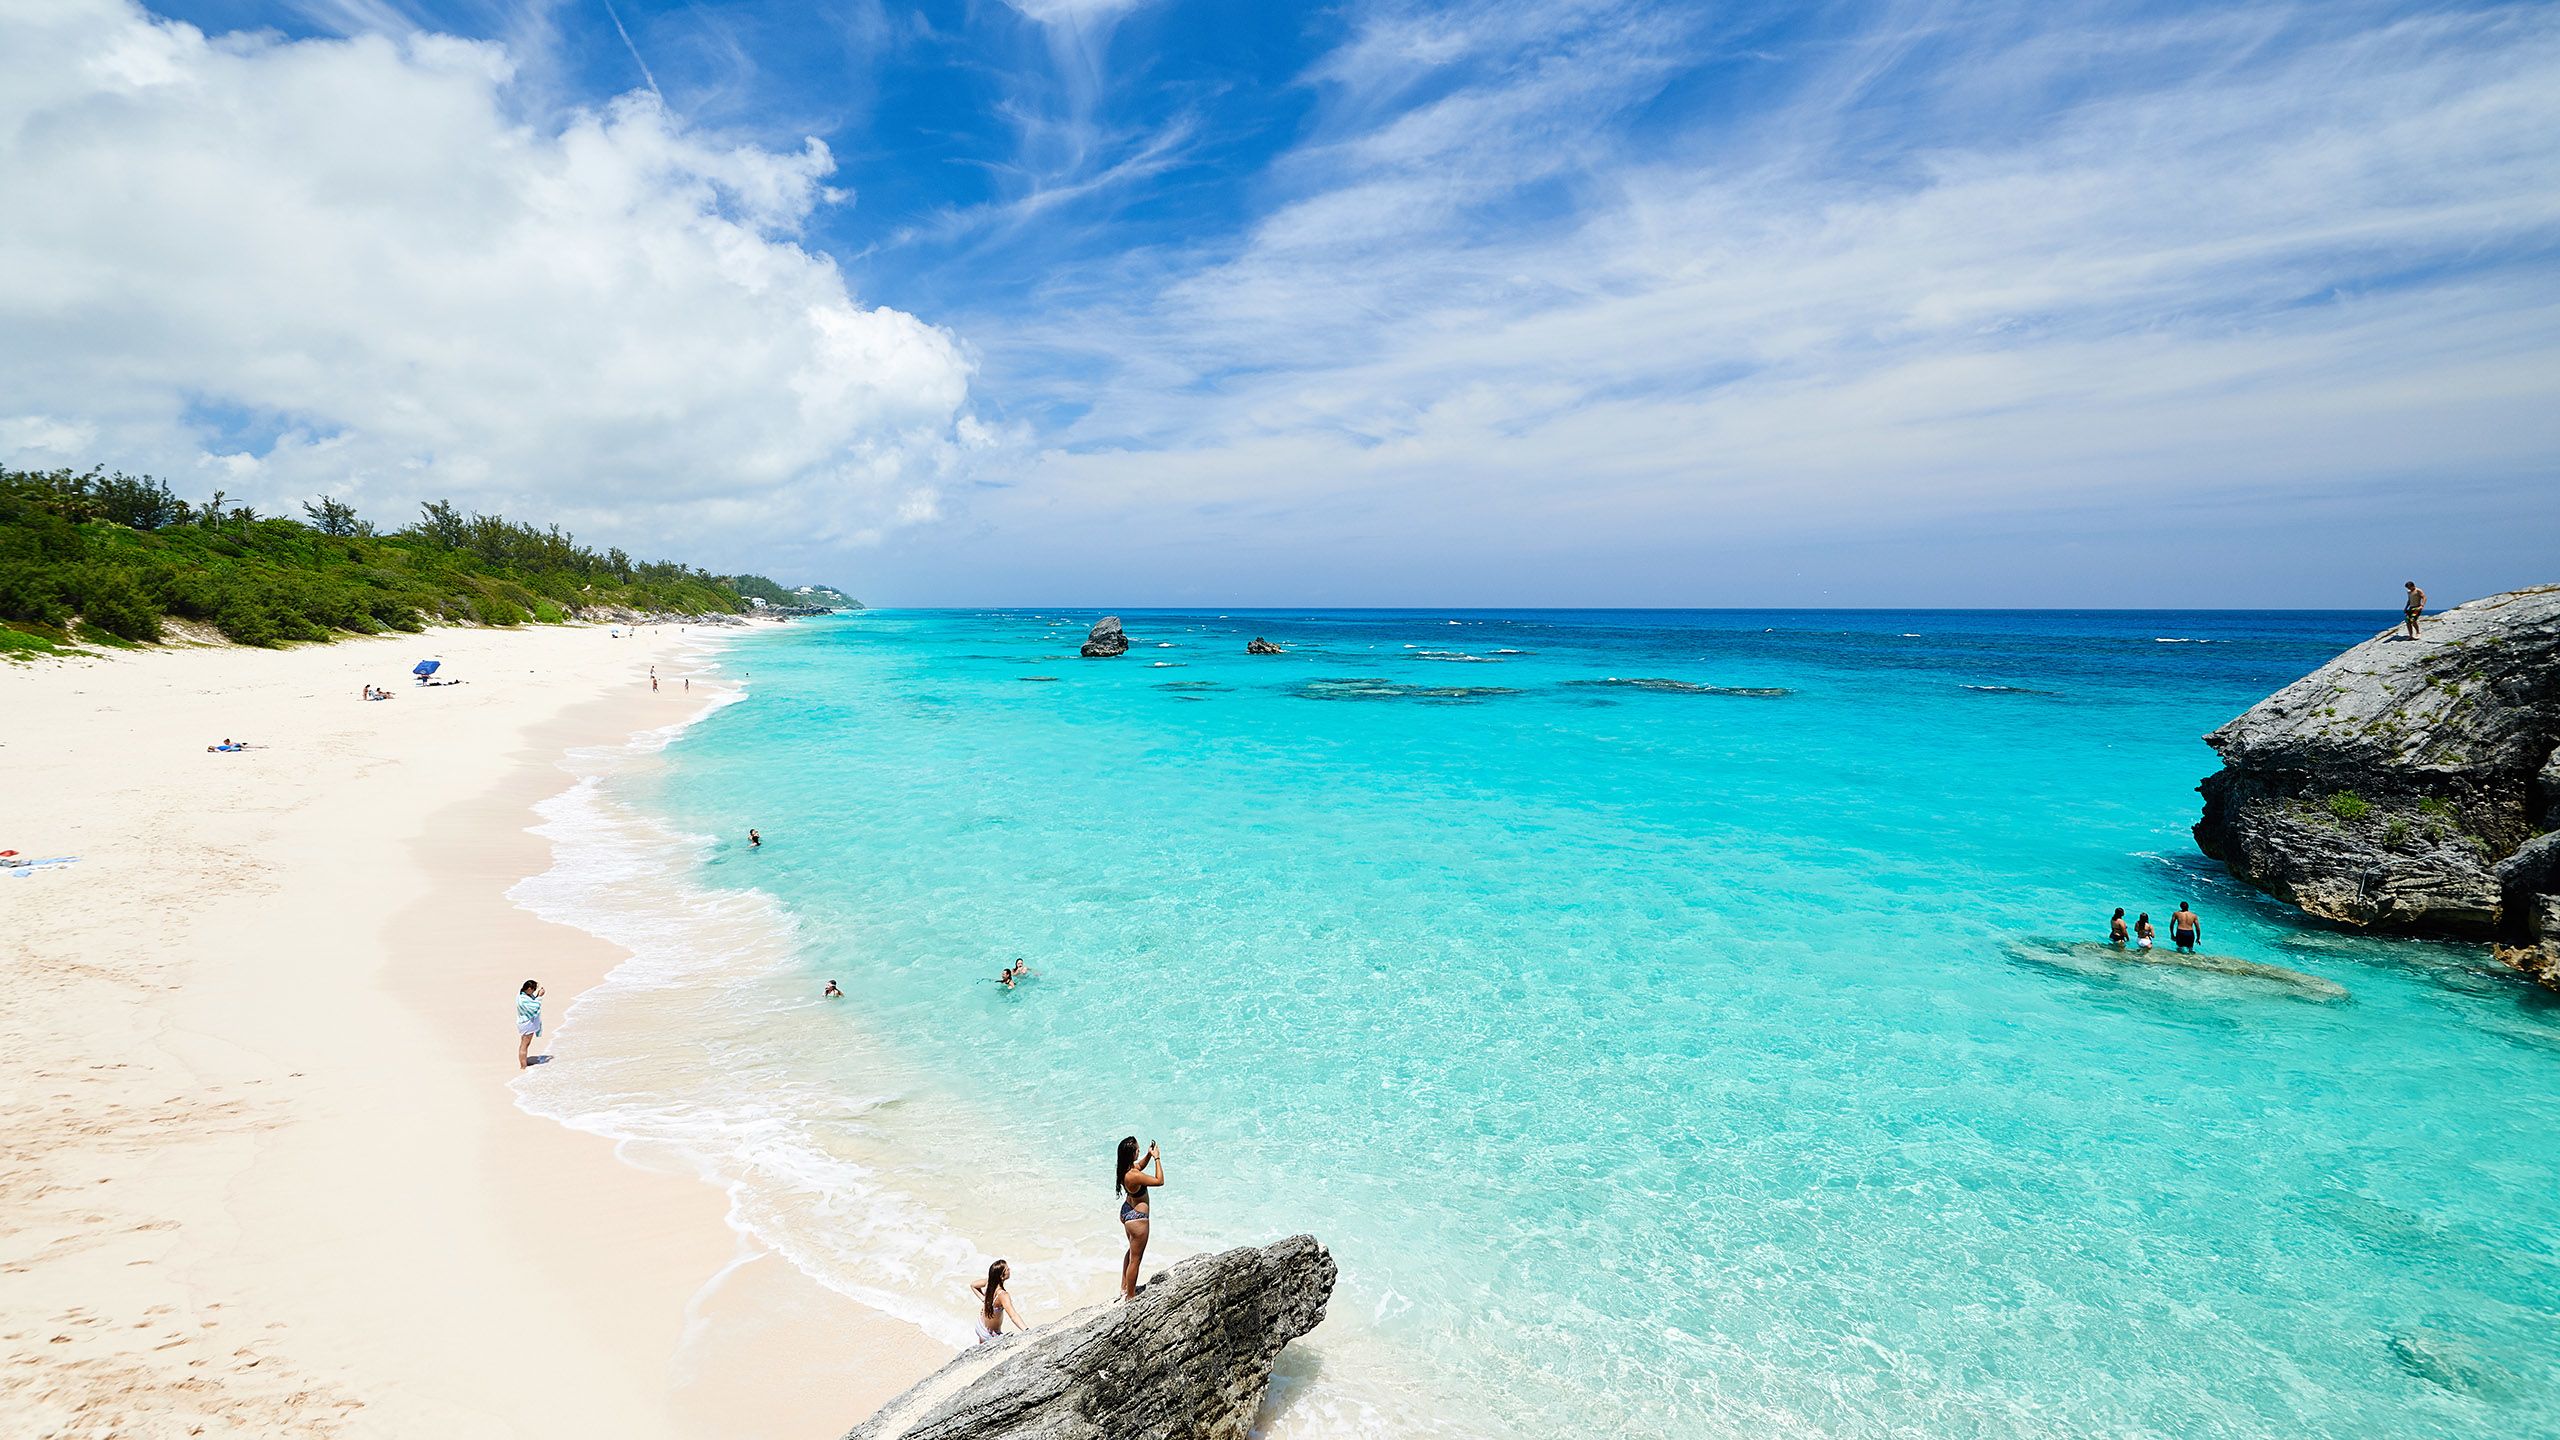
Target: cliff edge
point(1188, 1360)
point(2410, 785)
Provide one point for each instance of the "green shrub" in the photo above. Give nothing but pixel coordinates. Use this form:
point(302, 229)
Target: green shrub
point(2435, 806)
point(2397, 834)
point(112, 602)
point(2348, 805)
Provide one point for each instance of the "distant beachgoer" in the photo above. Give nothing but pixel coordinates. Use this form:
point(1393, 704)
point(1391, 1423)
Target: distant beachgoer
point(2416, 609)
point(2116, 930)
point(832, 992)
point(1130, 1178)
point(688, 683)
point(1015, 971)
point(2185, 929)
point(2142, 931)
point(754, 840)
point(995, 1303)
point(528, 1021)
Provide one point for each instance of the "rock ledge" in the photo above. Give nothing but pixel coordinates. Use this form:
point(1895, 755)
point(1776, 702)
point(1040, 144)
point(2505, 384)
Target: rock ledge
point(1188, 1361)
point(2410, 784)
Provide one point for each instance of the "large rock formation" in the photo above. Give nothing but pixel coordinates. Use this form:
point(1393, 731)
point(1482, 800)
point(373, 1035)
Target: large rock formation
point(2409, 784)
point(1106, 639)
point(1259, 646)
point(1188, 1361)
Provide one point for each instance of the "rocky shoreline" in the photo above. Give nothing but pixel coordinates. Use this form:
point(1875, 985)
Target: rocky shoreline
point(2409, 785)
point(1189, 1359)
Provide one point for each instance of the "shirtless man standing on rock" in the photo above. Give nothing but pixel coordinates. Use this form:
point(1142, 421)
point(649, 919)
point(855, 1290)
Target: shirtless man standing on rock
point(2417, 606)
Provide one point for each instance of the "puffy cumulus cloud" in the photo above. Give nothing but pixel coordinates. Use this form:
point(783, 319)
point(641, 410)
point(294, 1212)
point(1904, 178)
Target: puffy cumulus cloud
point(346, 266)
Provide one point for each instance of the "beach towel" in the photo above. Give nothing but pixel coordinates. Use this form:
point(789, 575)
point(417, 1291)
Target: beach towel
point(23, 867)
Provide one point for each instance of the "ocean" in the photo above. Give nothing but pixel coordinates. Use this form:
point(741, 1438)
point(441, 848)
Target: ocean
point(1676, 1023)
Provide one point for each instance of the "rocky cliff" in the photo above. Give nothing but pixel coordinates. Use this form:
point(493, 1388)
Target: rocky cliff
point(1188, 1360)
point(2409, 784)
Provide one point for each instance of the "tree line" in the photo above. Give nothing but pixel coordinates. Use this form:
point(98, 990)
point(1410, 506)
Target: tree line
point(109, 558)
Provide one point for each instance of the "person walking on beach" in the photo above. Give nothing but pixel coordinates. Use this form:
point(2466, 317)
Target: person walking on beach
point(995, 1303)
point(653, 679)
point(1130, 1178)
point(528, 1021)
point(2142, 931)
point(2416, 609)
point(2116, 930)
point(2185, 929)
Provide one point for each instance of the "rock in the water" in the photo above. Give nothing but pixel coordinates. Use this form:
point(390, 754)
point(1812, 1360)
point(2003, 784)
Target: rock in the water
point(2402, 785)
point(1189, 1360)
point(1106, 639)
point(1259, 646)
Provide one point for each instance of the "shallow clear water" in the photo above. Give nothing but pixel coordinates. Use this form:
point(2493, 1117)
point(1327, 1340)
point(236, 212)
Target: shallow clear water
point(1655, 1059)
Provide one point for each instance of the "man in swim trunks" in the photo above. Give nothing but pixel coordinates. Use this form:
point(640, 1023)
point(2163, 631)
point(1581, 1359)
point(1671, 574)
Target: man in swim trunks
point(2417, 607)
point(2184, 929)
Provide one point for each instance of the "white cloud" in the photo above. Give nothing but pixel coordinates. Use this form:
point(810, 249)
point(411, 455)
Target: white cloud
point(349, 265)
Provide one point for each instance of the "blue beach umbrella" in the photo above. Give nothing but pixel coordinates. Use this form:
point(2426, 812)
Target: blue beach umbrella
point(426, 667)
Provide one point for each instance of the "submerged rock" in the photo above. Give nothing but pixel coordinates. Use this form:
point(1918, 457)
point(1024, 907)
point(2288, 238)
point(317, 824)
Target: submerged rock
point(1259, 646)
point(1106, 640)
point(1189, 1360)
point(2402, 786)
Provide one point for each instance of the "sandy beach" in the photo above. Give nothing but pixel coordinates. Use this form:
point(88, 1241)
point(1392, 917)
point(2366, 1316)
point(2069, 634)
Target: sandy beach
point(264, 1171)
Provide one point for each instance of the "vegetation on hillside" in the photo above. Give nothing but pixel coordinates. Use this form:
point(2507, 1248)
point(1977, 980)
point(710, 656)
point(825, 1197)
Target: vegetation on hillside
point(107, 558)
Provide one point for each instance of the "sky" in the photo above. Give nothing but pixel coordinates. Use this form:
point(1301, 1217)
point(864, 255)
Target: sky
point(1129, 303)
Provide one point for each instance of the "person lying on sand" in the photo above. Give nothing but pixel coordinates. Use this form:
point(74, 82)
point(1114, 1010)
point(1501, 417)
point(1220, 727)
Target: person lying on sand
point(227, 746)
point(995, 1303)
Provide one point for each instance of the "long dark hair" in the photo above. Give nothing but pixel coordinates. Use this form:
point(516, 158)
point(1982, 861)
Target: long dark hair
point(2118, 915)
point(1127, 1162)
point(996, 1274)
point(527, 987)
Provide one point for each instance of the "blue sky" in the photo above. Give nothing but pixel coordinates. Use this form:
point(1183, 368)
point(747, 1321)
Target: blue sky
point(1125, 302)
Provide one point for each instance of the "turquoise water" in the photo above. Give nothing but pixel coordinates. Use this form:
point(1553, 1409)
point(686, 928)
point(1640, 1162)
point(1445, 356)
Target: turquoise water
point(1656, 1059)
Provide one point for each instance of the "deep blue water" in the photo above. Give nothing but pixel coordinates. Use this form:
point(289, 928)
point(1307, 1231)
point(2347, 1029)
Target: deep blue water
point(1659, 1056)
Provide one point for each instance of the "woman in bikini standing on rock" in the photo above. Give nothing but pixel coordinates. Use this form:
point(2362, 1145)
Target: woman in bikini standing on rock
point(1130, 1178)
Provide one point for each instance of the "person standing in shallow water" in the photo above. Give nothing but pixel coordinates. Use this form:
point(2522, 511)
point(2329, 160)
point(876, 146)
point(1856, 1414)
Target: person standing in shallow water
point(754, 840)
point(528, 1021)
point(2185, 929)
point(2142, 931)
point(1131, 1179)
point(2416, 609)
point(2115, 929)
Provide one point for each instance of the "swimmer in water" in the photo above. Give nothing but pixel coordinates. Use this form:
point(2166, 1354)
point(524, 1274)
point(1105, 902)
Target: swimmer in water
point(1015, 971)
point(832, 992)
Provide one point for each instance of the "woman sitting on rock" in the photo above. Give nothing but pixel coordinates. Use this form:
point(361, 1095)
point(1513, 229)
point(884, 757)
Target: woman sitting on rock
point(995, 1303)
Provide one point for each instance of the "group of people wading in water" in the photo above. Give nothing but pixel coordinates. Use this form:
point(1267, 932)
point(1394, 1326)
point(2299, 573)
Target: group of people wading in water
point(1132, 1175)
point(2184, 928)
